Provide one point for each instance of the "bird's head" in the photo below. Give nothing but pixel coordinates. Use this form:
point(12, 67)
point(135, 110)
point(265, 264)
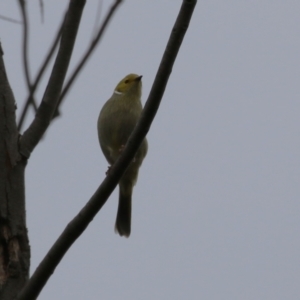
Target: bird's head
point(131, 83)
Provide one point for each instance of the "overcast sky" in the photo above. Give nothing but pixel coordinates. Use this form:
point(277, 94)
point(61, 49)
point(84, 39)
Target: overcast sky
point(216, 210)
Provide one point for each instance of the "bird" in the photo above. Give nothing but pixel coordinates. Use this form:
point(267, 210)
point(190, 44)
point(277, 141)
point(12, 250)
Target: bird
point(117, 119)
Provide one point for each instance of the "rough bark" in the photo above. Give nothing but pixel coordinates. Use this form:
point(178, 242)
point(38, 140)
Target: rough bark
point(14, 245)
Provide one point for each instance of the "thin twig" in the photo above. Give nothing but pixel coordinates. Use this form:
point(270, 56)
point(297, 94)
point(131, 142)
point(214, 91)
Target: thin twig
point(10, 19)
point(87, 55)
point(25, 42)
point(75, 228)
point(40, 74)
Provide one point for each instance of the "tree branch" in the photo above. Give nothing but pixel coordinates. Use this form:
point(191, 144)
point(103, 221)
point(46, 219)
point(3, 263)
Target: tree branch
point(25, 50)
point(87, 55)
point(25, 42)
point(39, 125)
point(75, 228)
point(41, 72)
point(8, 19)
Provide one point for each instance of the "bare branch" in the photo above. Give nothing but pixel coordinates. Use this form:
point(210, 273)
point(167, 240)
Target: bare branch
point(34, 133)
point(30, 98)
point(25, 49)
point(88, 53)
point(75, 228)
point(10, 19)
point(25, 42)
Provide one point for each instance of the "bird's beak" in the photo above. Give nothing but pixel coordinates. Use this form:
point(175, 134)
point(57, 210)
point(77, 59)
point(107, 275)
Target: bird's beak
point(138, 78)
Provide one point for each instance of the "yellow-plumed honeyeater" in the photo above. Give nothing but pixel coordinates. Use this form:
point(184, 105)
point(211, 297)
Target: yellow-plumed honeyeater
point(116, 122)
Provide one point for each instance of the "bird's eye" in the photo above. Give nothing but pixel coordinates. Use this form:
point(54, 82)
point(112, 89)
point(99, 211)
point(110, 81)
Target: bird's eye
point(126, 81)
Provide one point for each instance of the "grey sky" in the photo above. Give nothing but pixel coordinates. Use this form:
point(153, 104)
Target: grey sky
point(216, 207)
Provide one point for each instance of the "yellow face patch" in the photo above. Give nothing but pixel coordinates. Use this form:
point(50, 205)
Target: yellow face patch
point(127, 82)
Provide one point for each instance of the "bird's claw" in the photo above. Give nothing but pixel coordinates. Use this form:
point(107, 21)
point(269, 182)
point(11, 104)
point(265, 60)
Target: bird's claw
point(108, 170)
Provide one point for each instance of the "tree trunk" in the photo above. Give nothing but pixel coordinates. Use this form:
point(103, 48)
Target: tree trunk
point(14, 244)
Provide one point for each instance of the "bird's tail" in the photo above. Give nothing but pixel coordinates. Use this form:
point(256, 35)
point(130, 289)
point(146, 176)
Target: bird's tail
point(123, 221)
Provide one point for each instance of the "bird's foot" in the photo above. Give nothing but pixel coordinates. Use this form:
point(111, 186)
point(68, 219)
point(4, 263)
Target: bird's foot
point(108, 170)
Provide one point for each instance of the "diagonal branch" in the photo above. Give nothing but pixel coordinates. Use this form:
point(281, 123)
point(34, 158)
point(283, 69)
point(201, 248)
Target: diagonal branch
point(39, 125)
point(75, 228)
point(88, 53)
point(41, 72)
point(8, 19)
